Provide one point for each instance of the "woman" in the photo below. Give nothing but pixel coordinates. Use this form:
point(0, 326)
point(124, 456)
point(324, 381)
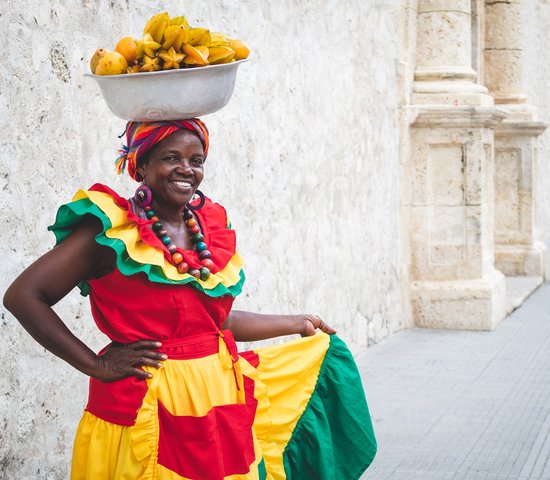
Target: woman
point(162, 271)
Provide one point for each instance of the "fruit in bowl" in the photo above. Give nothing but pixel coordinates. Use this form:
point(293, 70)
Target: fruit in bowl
point(168, 44)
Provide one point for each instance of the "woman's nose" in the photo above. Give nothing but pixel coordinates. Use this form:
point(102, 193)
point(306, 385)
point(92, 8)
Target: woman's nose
point(185, 167)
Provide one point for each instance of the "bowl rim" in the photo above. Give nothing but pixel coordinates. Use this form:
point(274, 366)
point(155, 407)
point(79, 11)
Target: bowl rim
point(174, 71)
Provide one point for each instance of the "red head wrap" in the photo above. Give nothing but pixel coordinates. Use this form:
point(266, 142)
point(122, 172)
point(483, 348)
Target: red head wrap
point(141, 136)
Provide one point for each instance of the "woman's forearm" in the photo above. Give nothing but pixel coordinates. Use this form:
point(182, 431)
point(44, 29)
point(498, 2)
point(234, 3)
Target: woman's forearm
point(44, 325)
point(249, 326)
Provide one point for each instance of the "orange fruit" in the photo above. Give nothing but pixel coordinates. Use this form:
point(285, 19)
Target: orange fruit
point(240, 48)
point(127, 46)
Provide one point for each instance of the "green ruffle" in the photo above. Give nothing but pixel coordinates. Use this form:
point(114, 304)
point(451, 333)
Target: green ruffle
point(334, 437)
point(69, 215)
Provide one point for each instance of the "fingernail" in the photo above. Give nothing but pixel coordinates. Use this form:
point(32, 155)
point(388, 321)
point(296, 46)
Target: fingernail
point(164, 357)
point(158, 344)
point(161, 365)
point(149, 375)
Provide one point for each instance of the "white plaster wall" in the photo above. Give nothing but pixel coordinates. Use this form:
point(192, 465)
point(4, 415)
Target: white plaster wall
point(305, 158)
point(536, 27)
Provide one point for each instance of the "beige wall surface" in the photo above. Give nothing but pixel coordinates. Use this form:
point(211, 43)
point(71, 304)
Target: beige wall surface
point(536, 28)
point(304, 157)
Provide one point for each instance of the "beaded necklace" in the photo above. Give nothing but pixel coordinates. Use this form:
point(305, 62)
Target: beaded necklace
point(196, 237)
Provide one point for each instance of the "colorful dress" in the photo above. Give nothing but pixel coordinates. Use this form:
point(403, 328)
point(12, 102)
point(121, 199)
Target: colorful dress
point(291, 411)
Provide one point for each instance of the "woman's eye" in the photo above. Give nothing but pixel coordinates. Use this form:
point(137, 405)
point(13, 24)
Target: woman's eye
point(198, 161)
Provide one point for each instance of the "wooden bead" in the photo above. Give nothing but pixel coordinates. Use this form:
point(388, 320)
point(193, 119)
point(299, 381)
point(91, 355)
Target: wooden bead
point(191, 222)
point(183, 267)
point(208, 264)
point(147, 208)
point(200, 247)
point(154, 218)
point(157, 226)
point(172, 248)
point(196, 273)
point(166, 240)
point(195, 229)
point(197, 237)
point(204, 273)
point(205, 254)
point(177, 258)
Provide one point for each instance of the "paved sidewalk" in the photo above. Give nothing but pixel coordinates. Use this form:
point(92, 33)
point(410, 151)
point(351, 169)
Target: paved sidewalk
point(463, 405)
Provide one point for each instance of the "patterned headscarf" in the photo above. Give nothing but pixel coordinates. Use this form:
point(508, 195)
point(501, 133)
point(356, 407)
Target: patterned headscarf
point(141, 136)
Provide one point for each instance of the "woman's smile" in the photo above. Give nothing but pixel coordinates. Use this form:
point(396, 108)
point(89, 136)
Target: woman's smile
point(183, 186)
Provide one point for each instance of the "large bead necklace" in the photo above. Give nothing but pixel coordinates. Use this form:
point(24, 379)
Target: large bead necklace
point(196, 237)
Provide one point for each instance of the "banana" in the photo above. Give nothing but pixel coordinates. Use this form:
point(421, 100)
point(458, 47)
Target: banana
point(156, 25)
point(171, 59)
point(217, 55)
point(199, 36)
point(146, 46)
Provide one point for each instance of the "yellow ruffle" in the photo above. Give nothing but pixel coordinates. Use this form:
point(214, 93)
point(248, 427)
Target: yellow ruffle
point(143, 253)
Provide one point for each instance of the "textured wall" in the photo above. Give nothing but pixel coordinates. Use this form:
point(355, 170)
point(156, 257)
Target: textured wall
point(536, 27)
point(305, 158)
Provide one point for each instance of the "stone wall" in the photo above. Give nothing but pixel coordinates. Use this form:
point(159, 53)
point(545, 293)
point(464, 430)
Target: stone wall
point(536, 30)
point(305, 158)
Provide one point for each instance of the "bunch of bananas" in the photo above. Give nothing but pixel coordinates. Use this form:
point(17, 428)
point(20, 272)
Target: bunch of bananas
point(167, 44)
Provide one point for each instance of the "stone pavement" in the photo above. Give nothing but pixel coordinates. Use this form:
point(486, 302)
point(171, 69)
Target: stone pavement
point(463, 405)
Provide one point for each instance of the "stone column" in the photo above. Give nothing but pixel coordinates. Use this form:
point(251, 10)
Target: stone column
point(454, 282)
point(444, 72)
point(450, 168)
point(517, 249)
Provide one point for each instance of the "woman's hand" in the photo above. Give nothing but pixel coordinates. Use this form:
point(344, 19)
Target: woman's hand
point(314, 322)
point(120, 361)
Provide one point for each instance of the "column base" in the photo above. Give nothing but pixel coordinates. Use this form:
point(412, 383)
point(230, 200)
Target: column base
point(461, 304)
point(522, 260)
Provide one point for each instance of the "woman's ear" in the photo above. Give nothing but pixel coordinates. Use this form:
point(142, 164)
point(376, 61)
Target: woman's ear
point(141, 171)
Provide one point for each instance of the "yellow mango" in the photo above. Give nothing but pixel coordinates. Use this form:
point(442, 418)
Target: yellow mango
point(112, 63)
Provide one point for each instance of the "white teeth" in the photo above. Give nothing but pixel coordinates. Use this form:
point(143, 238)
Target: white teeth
point(182, 184)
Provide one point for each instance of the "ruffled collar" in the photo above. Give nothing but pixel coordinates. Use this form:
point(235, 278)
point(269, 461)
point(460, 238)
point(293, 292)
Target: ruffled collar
point(140, 251)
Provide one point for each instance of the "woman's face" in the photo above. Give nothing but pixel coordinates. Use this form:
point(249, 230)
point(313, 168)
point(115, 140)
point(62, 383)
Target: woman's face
point(174, 168)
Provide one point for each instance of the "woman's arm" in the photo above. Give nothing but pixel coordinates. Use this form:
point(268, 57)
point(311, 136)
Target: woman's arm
point(248, 326)
point(32, 294)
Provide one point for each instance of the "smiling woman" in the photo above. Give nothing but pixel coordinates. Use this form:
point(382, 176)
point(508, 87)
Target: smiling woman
point(162, 271)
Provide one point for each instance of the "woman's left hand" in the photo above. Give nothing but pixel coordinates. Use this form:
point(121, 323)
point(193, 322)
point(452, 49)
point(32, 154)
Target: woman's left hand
point(314, 322)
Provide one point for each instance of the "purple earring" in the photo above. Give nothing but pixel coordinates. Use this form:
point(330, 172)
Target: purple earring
point(143, 196)
point(201, 202)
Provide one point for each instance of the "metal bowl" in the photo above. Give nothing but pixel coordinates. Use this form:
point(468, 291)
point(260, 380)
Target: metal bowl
point(169, 94)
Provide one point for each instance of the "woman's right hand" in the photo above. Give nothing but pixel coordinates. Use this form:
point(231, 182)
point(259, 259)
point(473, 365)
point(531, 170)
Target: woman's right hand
point(119, 360)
